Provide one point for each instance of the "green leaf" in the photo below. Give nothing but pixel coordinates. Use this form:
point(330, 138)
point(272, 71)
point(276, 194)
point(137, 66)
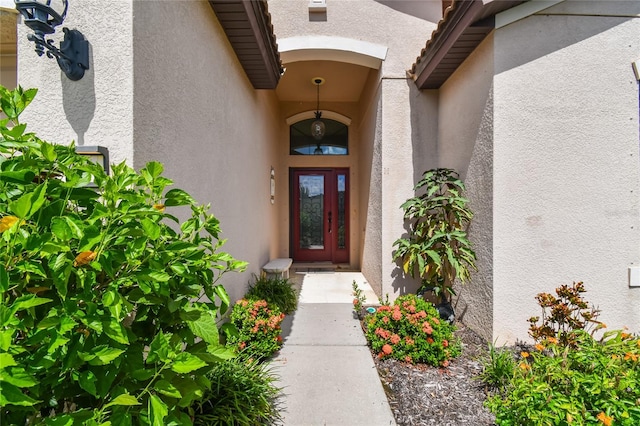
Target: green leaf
point(48, 152)
point(186, 363)
point(166, 388)
point(101, 355)
point(222, 294)
point(123, 399)
point(28, 301)
point(204, 326)
point(21, 206)
point(4, 279)
point(157, 411)
point(17, 176)
point(154, 168)
point(151, 228)
point(6, 360)
point(17, 377)
point(116, 331)
point(12, 395)
point(159, 349)
point(87, 381)
point(60, 229)
point(178, 197)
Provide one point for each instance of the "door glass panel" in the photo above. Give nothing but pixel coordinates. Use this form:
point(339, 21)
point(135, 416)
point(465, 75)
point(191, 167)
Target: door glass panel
point(342, 180)
point(311, 212)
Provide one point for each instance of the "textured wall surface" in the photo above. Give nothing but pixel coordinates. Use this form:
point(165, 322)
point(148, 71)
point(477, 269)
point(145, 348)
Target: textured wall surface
point(96, 110)
point(465, 133)
point(566, 168)
point(367, 20)
point(196, 111)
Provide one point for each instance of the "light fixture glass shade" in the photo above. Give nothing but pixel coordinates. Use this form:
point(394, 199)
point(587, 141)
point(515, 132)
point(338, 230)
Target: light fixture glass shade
point(317, 129)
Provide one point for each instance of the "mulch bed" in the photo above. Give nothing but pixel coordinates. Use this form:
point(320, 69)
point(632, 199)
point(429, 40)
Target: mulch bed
point(425, 395)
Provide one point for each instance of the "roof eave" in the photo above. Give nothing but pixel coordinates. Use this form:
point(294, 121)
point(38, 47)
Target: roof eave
point(247, 25)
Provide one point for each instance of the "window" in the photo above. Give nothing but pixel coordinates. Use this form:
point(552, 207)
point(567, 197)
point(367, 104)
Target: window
point(334, 142)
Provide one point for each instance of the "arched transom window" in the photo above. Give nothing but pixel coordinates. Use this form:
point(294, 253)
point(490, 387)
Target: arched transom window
point(334, 141)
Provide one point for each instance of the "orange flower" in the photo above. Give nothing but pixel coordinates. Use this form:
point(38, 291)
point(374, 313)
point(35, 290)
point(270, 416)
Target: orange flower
point(524, 366)
point(387, 349)
point(606, 420)
point(553, 340)
point(84, 258)
point(630, 356)
point(624, 335)
point(7, 222)
point(445, 363)
point(539, 347)
point(395, 339)
point(524, 354)
point(408, 359)
point(159, 207)
point(356, 301)
point(429, 340)
point(397, 315)
point(614, 356)
point(445, 343)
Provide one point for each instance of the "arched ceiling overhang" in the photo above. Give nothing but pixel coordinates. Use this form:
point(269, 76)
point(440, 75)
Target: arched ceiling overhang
point(329, 48)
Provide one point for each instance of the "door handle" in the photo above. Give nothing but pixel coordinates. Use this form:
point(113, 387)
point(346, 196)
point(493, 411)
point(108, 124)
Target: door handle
point(329, 222)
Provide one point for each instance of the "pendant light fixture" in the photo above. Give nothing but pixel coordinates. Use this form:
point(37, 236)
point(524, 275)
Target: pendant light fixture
point(317, 127)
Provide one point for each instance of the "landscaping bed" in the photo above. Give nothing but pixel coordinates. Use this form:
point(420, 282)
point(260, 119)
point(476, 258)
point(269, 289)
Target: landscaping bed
point(424, 395)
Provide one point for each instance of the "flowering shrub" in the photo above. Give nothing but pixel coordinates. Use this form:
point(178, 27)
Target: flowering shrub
point(563, 315)
point(410, 330)
point(359, 299)
point(258, 326)
point(593, 382)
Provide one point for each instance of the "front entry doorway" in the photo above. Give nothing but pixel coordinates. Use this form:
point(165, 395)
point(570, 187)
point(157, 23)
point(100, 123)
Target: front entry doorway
point(320, 215)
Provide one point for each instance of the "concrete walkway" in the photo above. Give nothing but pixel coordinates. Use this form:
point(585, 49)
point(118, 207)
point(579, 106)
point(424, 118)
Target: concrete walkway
point(325, 366)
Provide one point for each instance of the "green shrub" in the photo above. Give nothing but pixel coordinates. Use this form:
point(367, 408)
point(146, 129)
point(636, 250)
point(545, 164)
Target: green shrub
point(276, 291)
point(103, 315)
point(593, 382)
point(411, 330)
point(243, 392)
point(497, 368)
point(258, 328)
point(437, 249)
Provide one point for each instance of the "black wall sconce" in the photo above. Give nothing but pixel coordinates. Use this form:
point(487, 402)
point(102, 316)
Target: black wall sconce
point(43, 18)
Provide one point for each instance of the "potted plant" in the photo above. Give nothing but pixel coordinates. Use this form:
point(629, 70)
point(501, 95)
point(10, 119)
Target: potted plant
point(436, 248)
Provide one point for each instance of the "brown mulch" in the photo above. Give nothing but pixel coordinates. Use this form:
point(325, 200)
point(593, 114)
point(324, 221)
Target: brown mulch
point(425, 395)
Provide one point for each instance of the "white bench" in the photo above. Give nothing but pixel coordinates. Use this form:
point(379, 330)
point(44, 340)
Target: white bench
point(278, 266)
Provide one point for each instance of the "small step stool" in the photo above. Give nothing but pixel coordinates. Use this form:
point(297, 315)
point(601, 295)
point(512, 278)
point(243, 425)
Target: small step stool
point(278, 266)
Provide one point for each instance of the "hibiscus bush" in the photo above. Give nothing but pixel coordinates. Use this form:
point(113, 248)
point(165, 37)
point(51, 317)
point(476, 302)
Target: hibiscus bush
point(256, 328)
point(109, 303)
point(411, 330)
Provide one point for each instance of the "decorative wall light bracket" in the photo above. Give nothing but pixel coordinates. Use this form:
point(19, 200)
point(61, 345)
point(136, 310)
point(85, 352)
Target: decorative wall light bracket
point(42, 18)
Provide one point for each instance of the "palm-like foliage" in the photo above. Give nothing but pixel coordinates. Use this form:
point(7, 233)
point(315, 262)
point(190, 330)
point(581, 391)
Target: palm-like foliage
point(436, 249)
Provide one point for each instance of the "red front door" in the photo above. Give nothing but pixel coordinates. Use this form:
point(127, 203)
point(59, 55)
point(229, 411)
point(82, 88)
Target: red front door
point(320, 222)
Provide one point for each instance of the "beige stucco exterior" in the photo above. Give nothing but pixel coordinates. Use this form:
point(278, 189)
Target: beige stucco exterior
point(541, 121)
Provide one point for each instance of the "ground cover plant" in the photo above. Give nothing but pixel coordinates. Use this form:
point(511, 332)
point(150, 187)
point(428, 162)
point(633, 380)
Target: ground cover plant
point(109, 303)
point(570, 376)
point(411, 330)
point(243, 392)
point(276, 291)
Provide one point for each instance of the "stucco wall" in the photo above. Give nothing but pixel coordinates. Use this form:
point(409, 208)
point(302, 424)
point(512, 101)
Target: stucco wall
point(370, 176)
point(566, 169)
point(196, 111)
point(365, 20)
point(465, 133)
point(96, 110)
